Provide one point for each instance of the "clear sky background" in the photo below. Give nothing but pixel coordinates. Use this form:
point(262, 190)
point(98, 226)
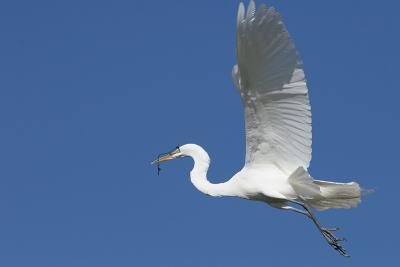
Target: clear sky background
point(92, 91)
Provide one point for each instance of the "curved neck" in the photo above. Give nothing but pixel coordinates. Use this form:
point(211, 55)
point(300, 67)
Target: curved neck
point(198, 177)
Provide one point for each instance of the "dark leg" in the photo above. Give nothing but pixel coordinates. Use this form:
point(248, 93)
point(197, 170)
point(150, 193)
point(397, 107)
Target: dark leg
point(332, 240)
point(296, 210)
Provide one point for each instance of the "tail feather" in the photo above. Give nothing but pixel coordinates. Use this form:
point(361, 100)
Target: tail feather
point(323, 195)
point(337, 195)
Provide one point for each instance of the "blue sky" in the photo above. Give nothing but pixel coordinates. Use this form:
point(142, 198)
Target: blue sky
point(92, 91)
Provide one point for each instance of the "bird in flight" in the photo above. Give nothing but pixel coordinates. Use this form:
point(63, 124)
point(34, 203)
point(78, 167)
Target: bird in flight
point(270, 78)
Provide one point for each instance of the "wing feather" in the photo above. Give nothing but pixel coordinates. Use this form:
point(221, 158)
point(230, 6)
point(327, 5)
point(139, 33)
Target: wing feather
point(271, 81)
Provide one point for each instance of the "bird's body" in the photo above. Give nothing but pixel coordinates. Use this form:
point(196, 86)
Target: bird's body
point(252, 181)
point(268, 183)
point(271, 81)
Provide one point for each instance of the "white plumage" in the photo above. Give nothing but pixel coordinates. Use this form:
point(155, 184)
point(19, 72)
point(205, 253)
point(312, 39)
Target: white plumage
point(270, 78)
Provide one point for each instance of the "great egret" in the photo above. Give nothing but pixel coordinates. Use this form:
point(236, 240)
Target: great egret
point(270, 78)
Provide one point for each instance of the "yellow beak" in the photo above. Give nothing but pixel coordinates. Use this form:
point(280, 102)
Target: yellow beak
point(163, 158)
point(168, 156)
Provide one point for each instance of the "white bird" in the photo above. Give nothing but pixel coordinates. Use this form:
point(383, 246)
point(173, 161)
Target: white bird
point(270, 78)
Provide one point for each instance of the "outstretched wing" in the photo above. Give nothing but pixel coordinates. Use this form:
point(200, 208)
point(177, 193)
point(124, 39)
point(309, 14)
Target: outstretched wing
point(272, 85)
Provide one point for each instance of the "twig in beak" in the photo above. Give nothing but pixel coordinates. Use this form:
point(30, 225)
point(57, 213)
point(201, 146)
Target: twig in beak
point(158, 165)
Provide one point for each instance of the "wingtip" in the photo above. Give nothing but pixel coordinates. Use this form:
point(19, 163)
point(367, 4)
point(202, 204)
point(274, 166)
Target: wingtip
point(241, 11)
point(261, 10)
point(272, 10)
point(251, 9)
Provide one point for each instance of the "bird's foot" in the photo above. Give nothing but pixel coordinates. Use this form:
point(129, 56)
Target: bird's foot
point(333, 241)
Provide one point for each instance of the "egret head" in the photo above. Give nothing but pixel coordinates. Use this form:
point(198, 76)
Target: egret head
point(191, 150)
